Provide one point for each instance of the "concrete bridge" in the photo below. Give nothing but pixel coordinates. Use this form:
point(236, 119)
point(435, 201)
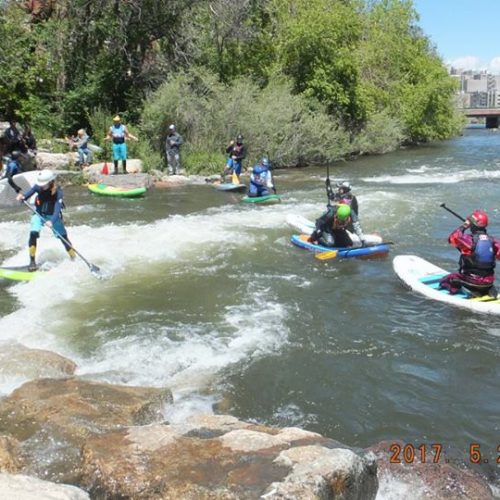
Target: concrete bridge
point(492, 115)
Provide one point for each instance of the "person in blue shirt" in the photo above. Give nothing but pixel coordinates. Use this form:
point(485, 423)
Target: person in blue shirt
point(48, 205)
point(261, 181)
point(81, 142)
point(119, 133)
point(13, 168)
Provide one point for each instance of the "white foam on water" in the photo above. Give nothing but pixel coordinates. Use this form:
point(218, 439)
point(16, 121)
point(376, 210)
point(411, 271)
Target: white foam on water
point(392, 488)
point(147, 356)
point(436, 177)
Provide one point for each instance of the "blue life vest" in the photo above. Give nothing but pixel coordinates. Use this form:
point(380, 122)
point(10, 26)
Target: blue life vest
point(482, 260)
point(118, 133)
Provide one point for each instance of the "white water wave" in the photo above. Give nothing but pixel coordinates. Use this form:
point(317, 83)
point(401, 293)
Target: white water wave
point(437, 177)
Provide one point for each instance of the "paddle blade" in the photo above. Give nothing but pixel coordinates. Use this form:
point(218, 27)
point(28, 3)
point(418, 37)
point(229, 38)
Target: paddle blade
point(235, 179)
point(98, 273)
point(328, 255)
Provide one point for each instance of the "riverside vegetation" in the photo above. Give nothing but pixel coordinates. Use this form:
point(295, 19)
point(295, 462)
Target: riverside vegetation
point(305, 81)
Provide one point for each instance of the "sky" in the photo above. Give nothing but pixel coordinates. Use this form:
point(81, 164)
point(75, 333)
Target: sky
point(465, 32)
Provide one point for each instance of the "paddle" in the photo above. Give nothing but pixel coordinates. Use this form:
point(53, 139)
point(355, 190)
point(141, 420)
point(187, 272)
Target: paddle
point(443, 205)
point(328, 255)
point(96, 272)
point(329, 191)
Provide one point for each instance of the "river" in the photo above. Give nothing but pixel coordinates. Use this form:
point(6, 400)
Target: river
point(207, 296)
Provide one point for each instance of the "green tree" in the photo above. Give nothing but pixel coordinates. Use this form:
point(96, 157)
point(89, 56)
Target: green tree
point(316, 43)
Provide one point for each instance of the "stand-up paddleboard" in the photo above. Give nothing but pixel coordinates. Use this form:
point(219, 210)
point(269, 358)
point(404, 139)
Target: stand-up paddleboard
point(305, 226)
point(25, 180)
point(116, 191)
point(18, 273)
point(229, 186)
point(423, 277)
point(344, 252)
point(269, 199)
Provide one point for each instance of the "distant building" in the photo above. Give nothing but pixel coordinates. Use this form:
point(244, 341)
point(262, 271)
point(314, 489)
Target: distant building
point(477, 89)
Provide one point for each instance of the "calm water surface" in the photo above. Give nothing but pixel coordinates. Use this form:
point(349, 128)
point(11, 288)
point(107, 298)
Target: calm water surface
point(207, 296)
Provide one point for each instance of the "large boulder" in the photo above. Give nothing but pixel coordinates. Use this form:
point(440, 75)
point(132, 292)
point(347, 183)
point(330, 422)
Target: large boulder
point(211, 457)
point(54, 161)
point(52, 419)
point(30, 488)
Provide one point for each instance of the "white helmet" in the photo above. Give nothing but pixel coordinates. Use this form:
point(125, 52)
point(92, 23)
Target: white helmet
point(171, 127)
point(344, 186)
point(45, 177)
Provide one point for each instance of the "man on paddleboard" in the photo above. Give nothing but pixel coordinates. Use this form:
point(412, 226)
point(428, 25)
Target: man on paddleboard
point(237, 153)
point(478, 252)
point(344, 196)
point(261, 180)
point(48, 205)
point(331, 227)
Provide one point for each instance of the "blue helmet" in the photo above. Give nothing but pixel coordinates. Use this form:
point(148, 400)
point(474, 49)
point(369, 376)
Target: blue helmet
point(265, 162)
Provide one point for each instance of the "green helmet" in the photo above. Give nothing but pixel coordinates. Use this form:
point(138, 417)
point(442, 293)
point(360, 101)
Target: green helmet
point(343, 212)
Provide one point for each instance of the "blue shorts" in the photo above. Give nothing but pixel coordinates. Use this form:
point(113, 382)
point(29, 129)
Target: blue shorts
point(37, 223)
point(234, 165)
point(120, 151)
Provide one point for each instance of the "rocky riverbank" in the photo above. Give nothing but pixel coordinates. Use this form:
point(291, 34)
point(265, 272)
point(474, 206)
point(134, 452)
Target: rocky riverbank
point(114, 441)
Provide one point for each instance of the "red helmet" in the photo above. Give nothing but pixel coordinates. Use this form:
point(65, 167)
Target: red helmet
point(479, 218)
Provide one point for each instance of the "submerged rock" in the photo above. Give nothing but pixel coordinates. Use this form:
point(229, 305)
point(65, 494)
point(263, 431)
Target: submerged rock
point(18, 360)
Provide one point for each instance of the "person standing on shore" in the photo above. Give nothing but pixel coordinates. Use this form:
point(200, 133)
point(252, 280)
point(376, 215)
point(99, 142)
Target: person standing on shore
point(172, 150)
point(118, 133)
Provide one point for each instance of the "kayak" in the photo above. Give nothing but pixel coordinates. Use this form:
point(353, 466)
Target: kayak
point(229, 186)
point(305, 226)
point(345, 252)
point(18, 273)
point(423, 277)
point(270, 198)
point(105, 190)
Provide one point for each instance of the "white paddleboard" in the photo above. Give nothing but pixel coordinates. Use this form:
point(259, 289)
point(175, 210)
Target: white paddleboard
point(423, 277)
point(306, 226)
point(24, 180)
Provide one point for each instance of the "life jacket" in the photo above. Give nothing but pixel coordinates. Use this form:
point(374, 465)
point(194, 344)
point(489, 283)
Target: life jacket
point(118, 133)
point(259, 175)
point(481, 261)
point(237, 150)
point(46, 201)
point(344, 199)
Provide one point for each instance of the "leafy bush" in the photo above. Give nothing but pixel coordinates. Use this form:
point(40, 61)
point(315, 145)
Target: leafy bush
point(381, 134)
point(274, 122)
